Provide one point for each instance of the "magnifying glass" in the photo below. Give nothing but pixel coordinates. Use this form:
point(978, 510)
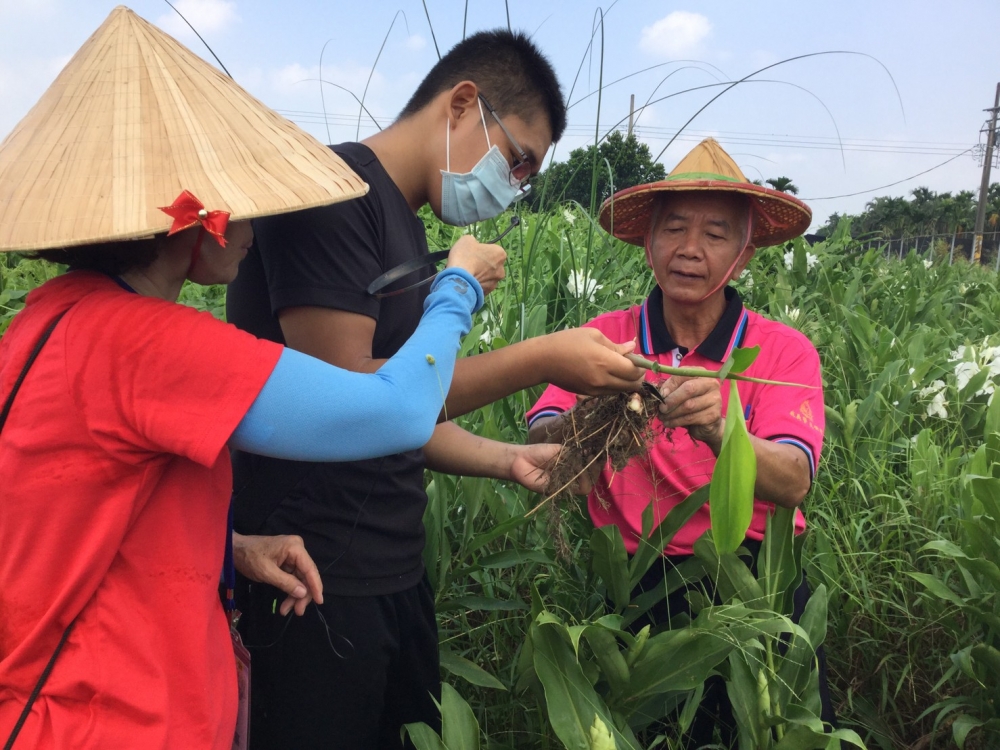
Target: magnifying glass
point(404, 269)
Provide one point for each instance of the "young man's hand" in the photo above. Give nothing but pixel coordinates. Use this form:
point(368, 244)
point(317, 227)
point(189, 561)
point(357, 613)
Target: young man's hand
point(485, 262)
point(584, 360)
point(282, 562)
point(530, 465)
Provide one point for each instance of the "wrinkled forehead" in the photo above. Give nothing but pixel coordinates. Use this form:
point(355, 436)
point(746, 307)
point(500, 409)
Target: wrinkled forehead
point(733, 208)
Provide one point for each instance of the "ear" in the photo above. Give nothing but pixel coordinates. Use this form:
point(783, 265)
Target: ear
point(748, 254)
point(463, 101)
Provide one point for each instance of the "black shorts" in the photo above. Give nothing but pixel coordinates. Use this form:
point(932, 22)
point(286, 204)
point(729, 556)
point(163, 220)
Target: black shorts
point(348, 683)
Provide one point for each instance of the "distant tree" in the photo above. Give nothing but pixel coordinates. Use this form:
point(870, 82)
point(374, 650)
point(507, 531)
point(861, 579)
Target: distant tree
point(621, 162)
point(784, 184)
point(831, 224)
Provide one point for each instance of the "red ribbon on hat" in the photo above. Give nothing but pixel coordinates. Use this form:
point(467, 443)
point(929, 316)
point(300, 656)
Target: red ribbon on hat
point(187, 211)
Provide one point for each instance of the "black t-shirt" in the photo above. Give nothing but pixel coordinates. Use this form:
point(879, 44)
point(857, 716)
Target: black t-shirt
point(361, 520)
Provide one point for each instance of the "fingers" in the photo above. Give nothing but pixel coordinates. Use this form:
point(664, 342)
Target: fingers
point(699, 410)
point(627, 348)
point(305, 569)
point(485, 262)
point(290, 603)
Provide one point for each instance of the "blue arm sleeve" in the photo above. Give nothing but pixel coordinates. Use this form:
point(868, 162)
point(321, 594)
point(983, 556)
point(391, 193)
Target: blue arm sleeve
point(309, 410)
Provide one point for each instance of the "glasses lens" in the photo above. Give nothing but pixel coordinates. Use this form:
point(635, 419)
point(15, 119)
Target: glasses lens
point(520, 172)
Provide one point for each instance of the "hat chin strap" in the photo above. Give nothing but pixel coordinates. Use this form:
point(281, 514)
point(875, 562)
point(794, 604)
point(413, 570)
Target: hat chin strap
point(725, 279)
point(196, 253)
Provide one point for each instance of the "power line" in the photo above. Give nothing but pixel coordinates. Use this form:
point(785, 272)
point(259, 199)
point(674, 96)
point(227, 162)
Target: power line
point(891, 184)
point(736, 138)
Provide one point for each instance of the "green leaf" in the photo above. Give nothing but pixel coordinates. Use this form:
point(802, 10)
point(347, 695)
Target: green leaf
point(651, 547)
point(469, 671)
point(965, 723)
point(779, 573)
point(481, 604)
point(609, 657)
point(510, 558)
point(742, 690)
point(571, 700)
point(742, 358)
point(459, 728)
point(610, 562)
point(937, 588)
point(676, 660)
point(423, 737)
point(731, 490)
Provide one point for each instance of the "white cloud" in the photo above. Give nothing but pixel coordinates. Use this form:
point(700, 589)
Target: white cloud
point(415, 42)
point(205, 15)
point(675, 35)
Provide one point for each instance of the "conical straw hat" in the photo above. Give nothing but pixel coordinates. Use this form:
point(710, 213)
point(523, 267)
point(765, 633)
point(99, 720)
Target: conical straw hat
point(780, 216)
point(134, 119)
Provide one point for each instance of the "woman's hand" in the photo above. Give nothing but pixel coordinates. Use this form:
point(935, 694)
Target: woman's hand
point(485, 262)
point(282, 562)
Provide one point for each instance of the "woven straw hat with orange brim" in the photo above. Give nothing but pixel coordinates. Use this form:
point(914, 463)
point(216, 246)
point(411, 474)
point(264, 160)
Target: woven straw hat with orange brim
point(136, 123)
point(778, 216)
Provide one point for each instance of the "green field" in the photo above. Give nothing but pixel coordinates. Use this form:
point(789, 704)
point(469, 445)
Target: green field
point(903, 544)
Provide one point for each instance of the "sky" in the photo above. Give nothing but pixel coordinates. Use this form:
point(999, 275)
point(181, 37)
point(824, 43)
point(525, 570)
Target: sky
point(910, 99)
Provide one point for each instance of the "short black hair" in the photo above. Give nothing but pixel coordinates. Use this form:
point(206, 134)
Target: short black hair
point(510, 71)
point(113, 258)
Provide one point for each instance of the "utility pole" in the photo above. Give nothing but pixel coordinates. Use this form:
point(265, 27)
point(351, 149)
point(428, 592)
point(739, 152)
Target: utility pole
point(631, 112)
point(984, 187)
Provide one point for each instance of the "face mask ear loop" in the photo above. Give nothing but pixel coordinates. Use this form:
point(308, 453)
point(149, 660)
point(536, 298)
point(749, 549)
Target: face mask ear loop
point(447, 145)
point(482, 119)
point(746, 244)
point(648, 239)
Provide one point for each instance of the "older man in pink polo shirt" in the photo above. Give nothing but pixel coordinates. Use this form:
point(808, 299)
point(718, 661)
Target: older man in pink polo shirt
point(700, 228)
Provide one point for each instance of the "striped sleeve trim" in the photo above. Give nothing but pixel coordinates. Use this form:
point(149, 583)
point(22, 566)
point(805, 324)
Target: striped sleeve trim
point(790, 440)
point(547, 412)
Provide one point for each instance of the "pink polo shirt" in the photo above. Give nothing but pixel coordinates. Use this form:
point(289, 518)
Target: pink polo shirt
point(676, 465)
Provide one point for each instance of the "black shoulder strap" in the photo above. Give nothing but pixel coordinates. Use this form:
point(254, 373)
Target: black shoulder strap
point(27, 366)
point(62, 641)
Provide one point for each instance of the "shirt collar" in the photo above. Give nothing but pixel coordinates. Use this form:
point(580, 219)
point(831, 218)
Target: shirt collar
point(728, 332)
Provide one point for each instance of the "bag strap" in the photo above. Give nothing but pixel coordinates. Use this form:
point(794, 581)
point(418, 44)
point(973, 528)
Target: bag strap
point(62, 641)
point(27, 366)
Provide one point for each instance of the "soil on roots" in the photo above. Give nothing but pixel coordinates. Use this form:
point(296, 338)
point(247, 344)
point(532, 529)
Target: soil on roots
point(602, 430)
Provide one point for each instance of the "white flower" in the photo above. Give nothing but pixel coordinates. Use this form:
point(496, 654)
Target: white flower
point(486, 336)
point(895, 403)
point(580, 285)
point(620, 293)
point(792, 314)
point(994, 367)
point(936, 408)
point(928, 263)
point(964, 372)
point(934, 388)
point(569, 216)
point(789, 259)
point(811, 260)
point(962, 288)
point(958, 354)
point(913, 370)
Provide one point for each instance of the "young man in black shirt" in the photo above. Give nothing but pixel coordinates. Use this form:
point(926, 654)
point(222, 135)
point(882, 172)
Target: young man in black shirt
point(367, 661)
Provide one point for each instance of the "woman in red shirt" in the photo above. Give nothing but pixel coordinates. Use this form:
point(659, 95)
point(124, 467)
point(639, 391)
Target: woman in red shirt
point(116, 473)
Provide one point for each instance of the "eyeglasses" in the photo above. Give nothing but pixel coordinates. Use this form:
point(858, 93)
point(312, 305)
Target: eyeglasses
point(520, 170)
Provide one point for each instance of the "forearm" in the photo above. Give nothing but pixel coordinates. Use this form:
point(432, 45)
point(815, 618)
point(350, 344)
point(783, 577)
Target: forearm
point(453, 450)
point(311, 411)
point(782, 472)
point(550, 429)
point(484, 378)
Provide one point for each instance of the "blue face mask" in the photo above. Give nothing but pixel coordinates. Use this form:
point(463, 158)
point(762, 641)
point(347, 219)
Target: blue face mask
point(478, 195)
